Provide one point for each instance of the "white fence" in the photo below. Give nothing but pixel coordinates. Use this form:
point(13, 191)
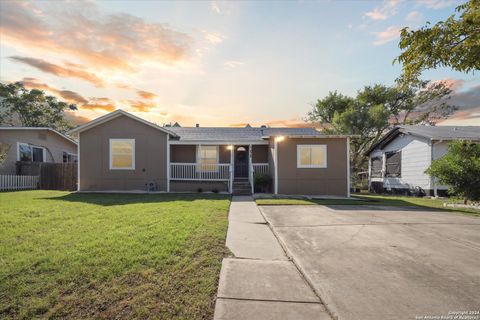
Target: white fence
point(261, 168)
point(11, 182)
point(196, 171)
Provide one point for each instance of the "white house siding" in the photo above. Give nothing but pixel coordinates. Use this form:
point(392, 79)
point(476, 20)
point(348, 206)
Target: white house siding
point(416, 158)
point(440, 148)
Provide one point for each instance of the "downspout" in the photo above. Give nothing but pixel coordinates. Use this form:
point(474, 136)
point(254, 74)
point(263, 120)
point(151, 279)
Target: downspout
point(78, 163)
point(168, 163)
point(348, 167)
point(275, 163)
point(231, 169)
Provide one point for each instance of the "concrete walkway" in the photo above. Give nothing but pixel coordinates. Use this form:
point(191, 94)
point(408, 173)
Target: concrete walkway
point(261, 282)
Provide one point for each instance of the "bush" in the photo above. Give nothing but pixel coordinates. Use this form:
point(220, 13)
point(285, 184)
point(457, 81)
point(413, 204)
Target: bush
point(459, 169)
point(199, 190)
point(262, 182)
point(215, 190)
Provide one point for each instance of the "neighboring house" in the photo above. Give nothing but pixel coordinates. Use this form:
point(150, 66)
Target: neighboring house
point(32, 144)
point(120, 151)
point(397, 163)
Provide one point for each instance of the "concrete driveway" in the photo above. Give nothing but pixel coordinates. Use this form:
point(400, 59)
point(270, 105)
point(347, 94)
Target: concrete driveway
point(373, 262)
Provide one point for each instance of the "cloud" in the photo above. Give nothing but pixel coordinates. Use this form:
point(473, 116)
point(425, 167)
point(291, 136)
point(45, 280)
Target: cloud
point(103, 104)
point(213, 37)
point(107, 41)
point(141, 106)
point(388, 9)
point(215, 7)
point(414, 17)
point(73, 72)
point(70, 96)
point(436, 4)
point(389, 34)
point(452, 84)
point(146, 95)
point(233, 64)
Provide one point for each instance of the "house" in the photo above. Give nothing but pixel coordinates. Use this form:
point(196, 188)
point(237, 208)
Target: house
point(397, 162)
point(120, 151)
point(35, 144)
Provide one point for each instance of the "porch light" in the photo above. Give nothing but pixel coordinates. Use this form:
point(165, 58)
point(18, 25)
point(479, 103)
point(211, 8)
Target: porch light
point(230, 147)
point(279, 138)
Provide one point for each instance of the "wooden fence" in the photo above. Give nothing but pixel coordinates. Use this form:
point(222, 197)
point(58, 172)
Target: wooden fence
point(12, 182)
point(52, 176)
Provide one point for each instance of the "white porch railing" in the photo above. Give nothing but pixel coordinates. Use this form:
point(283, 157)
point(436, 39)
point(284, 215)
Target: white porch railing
point(261, 168)
point(203, 172)
point(12, 182)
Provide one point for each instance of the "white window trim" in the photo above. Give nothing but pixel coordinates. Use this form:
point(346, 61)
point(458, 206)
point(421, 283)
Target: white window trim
point(198, 158)
point(110, 154)
point(44, 151)
point(300, 166)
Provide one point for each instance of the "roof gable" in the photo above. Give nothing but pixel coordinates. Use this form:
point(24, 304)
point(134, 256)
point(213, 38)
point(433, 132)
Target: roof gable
point(113, 115)
point(42, 129)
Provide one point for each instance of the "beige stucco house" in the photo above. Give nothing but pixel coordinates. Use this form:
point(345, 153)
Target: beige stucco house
point(121, 152)
point(34, 144)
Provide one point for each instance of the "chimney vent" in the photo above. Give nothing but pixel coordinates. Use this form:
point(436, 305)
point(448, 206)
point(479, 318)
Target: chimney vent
point(197, 125)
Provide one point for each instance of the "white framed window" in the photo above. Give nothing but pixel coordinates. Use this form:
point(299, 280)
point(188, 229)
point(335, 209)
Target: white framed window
point(311, 156)
point(30, 153)
point(207, 158)
point(122, 154)
point(69, 157)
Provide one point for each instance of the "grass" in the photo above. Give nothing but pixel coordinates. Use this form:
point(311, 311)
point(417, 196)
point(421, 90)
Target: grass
point(368, 199)
point(108, 256)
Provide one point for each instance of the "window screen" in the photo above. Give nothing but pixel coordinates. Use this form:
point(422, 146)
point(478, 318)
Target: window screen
point(312, 156)
point(122, 154)
point(376, 167)
point(37, 154)
point(207, 158)
point(393, 165)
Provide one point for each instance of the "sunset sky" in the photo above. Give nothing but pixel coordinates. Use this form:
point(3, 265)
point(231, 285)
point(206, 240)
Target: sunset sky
point(215, 63)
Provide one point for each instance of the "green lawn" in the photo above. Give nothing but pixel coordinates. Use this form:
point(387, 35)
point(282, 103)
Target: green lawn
point(65, 255)
point(367, 199)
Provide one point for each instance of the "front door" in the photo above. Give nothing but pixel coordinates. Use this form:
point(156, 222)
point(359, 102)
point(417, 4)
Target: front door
point(241, 162)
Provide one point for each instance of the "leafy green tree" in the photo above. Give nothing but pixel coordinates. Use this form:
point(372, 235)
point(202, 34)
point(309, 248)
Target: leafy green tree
point(459, 169)
point(4, 148)
point(32, 108)
point(377, 108)
point(453, 43)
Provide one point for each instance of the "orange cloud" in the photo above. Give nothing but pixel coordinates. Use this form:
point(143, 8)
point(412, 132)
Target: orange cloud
point(70, 96)
point(59, 70)
point(104, 104)
point(112, 42)
point(146, 95)
point(141, 106)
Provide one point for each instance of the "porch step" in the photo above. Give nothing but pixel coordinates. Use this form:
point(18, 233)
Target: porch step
point(241, 188)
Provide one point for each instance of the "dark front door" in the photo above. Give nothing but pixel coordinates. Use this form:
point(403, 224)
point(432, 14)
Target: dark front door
point(241, 162)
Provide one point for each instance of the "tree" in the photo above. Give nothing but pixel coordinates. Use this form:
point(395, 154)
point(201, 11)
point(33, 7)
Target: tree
point(377, 108)
point(459, 169)
point(4, 148)
point(453, 43)
point(32, 108)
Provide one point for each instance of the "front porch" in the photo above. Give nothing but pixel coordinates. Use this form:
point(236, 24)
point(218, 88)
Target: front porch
point(217, 168)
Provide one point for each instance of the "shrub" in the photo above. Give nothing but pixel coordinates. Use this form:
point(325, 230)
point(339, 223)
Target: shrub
point(262, 182)
point(215, 190)
point(200, 190)
point(459, 169)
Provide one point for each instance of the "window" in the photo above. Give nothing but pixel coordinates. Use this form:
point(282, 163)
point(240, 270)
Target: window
point(207, 158)
point(122, 154)
point(393, 164)
point(312, 156)
point(69, 157)
point(376, 167)
point(27, 152)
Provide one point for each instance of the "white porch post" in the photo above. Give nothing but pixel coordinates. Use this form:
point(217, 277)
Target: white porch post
point(168, 163)
point(275, 164)
point(348, 167)
point(231, 169)
point(78, 162)
point(250, 167)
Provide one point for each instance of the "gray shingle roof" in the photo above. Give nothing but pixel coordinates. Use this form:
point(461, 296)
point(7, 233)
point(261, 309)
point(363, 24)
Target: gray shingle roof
point(238, 134)
point(444, 132)
point(470, 133)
